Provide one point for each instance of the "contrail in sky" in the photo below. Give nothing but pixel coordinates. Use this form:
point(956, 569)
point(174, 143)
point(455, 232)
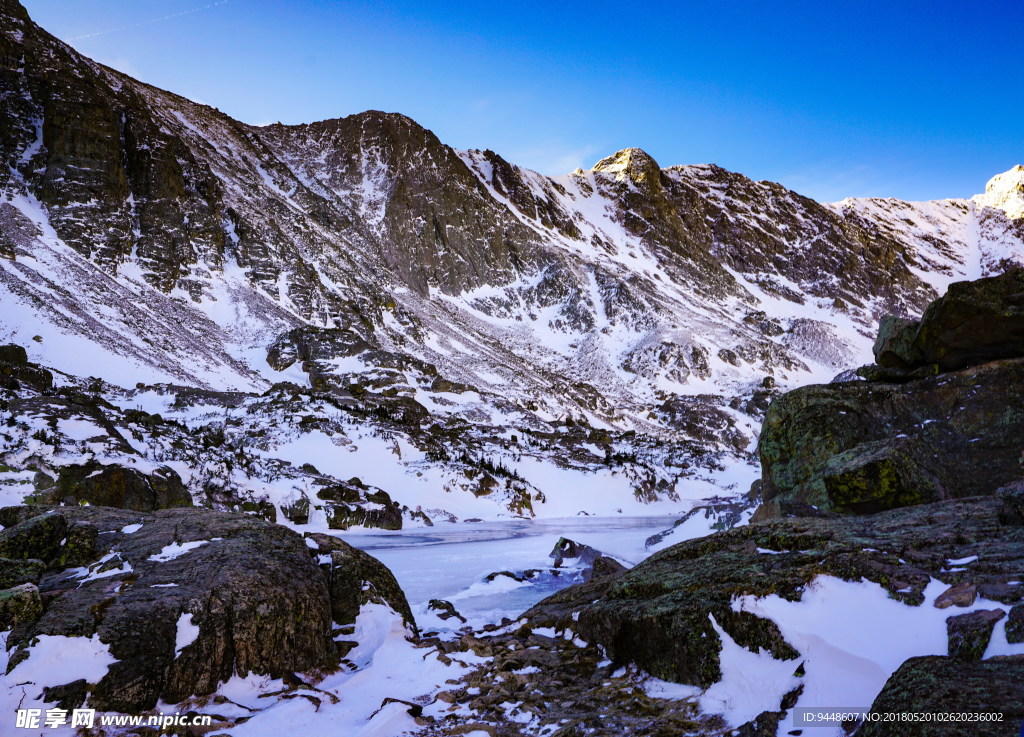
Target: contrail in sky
point(149, 22)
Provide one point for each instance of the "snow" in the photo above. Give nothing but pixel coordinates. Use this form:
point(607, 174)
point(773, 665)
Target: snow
point(387, 666)
point(174, 550)
point(186, 633)
point(851, 637)
point(751, 683)
point(55, 660)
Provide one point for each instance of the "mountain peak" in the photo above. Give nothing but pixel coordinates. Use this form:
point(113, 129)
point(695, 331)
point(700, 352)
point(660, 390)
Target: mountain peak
point(1005, 192)
point(633, 164)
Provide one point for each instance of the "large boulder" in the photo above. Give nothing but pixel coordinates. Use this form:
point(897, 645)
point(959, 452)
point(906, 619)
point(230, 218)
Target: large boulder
point(940, 417)
point(118, 486)
point(974, 322)
point(937, 684)
point(16, 369)
point(862, 447)
point(181, 599)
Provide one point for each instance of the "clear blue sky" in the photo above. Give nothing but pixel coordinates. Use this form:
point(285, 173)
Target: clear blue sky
point(917, 100)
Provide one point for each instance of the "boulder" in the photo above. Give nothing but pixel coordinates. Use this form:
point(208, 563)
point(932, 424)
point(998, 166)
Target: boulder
point(961, 595)
point(863, 447)
point(355, 578)
point(603, 567)
point(184, 598)
point(13, 354)
point(970, 633)
point(943, 684)
point(941, 415)
point(566, 549)
point(14, 572)
point(1015, 625)
point(16, 370)
point(19, 605)
point(118, 486)
point(974, 322)
point(445, 609)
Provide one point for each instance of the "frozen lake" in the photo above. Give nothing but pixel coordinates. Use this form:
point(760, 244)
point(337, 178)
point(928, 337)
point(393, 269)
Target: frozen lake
point(451, 561)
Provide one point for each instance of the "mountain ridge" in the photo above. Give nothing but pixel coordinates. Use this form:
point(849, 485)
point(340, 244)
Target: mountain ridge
point(362, 254)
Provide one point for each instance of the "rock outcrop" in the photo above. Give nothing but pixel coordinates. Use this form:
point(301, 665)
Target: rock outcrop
point(941, 418)
point(181, 599)
point(663, 614)
point(942, 685)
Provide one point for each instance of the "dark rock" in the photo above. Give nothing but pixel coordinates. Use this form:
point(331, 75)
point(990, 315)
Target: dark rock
point(69, 696)
point(1015, 625)
point(942, 684)
point(603, 567)
point(1012, 497)
point(118, 486)
point(941, 415)
point(19, 605)
point(570, 549)
point(862, 447)
point(14, 572)
point(14, 354)
point(37, 538)
point(970, 633)
point(297, 511)
point(894, 346)
point(259, 599)
point(973, 323)
point(356, 578)
point(657, 614)
point(445, 609)
point(343, 516)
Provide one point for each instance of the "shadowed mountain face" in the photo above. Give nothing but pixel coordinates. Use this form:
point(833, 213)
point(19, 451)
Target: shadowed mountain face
point(145, 237)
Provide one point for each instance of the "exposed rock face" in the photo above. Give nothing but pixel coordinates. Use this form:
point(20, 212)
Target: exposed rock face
point(951, 431)
point(969, 634)
point(185, 598)
point(939, 684)
point(356, 578)
point(113, 486)
point(657, 614)
point(972, 323)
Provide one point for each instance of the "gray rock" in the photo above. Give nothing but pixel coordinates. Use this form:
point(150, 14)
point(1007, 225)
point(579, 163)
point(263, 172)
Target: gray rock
point(969, 634)
point(943, 684)
point(254, 590)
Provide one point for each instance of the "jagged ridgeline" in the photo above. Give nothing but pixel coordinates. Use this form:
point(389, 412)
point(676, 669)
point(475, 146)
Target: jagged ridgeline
point(630, 320)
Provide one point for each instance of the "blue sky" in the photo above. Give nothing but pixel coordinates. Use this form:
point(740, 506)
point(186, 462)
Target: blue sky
point(917, 100)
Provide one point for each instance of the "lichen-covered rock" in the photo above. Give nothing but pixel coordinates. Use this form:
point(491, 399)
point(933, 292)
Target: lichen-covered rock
point(14, 572)
point(948, 685)
point(974, 322)
point(19, 605)
point(38, 538)
point(862, 446)
point(118, 486)
point(969, 634)
point(249, 596)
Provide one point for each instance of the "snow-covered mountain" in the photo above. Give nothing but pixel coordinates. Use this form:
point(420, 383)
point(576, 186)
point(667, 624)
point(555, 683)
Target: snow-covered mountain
point(449, 321)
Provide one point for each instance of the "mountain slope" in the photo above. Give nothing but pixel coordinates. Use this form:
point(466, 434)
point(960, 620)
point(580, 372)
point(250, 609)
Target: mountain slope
point(147, 238)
